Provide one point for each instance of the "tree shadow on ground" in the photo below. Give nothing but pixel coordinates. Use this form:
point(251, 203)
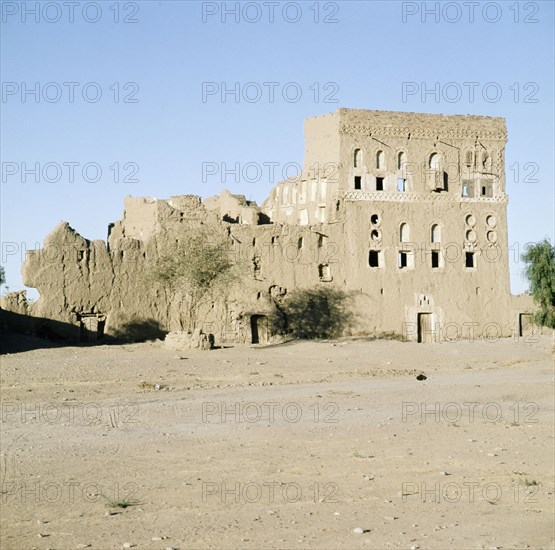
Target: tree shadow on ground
point(139, 330)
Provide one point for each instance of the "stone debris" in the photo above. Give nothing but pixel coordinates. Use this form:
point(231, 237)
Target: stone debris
point(187, 340)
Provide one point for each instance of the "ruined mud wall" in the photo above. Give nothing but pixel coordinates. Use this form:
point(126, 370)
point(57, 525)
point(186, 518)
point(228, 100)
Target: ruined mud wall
point(79, 280)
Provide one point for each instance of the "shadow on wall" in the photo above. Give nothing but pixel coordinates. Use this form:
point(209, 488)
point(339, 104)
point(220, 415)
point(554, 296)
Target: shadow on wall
point(140, 330)
point(319, 312)
point(23, 333)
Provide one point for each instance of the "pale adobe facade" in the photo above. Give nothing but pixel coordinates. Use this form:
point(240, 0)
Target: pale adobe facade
point(405, 212)
point(416, 205)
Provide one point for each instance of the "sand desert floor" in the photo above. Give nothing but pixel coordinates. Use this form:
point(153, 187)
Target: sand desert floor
point(303, 445)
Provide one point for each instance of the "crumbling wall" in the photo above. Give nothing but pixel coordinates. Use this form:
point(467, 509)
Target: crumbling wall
point(234, 208)
point(82, 281)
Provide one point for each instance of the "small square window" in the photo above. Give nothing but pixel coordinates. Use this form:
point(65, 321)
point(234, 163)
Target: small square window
point(435, 259)
point(486, 188)
point(402, 260)
point(401, 185)
point(379, 184)
point(469, 260)
point(374, 258)
point(468, 188)
point(358, 182)
point(324, 273)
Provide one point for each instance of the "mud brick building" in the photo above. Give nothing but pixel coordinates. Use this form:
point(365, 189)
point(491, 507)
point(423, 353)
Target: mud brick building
point(406, 212)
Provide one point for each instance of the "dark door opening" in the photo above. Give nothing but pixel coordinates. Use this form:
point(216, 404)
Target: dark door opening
point(259, 329)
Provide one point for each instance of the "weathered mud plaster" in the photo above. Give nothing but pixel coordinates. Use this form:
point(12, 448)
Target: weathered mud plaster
point(405, 211)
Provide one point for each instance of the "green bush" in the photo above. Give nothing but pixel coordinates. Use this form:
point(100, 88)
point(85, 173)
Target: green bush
point(540, 272)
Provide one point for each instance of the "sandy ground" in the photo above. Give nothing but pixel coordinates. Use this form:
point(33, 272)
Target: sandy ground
point(295, 446)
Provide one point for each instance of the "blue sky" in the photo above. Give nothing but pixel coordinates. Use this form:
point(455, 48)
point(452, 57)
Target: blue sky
point(357, 53)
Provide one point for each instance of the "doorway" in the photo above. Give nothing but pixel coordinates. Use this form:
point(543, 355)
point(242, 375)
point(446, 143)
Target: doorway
point(91, 328)
point(425, 328)
point(259, 329)
point(525, 325)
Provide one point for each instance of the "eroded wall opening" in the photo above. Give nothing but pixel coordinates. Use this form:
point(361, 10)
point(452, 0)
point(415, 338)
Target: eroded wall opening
point(91, 327)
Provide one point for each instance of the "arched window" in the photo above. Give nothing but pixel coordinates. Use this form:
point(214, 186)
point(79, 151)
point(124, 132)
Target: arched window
point(357, 158)
point(469, 158)
point(404, 233)
point(434, 161)
point(436, 233)
point(380, 160)
point(401, 160)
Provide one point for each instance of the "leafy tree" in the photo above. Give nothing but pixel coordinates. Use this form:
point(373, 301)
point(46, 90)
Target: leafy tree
point(540, 272)
point(319, 312)
point(198, 266)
